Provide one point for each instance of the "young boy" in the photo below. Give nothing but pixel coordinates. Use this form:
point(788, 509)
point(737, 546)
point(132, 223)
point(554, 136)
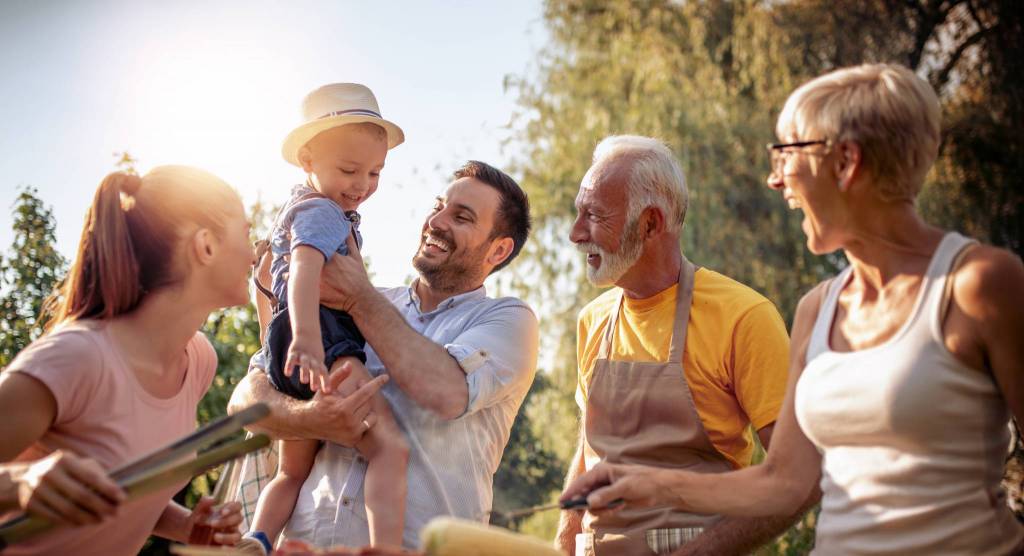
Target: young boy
point(341, 147)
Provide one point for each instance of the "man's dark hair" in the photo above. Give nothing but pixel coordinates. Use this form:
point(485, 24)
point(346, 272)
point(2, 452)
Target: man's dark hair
point(513, 218)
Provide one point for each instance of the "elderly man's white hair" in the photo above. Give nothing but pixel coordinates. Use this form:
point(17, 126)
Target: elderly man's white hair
point(655, 179)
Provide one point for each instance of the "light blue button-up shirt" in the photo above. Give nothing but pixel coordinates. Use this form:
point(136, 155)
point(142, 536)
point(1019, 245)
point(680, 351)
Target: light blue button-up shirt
point(451, 463)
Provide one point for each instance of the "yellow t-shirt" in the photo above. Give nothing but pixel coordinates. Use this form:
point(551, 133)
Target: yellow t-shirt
point(735, 360)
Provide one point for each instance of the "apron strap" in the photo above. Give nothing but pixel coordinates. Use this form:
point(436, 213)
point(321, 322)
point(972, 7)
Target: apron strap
point(262, 250)
point(684, 298)
point(609, 332)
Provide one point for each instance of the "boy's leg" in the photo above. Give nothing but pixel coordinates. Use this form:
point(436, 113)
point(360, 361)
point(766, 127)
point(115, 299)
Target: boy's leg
point(387, 456)
point(277, 500)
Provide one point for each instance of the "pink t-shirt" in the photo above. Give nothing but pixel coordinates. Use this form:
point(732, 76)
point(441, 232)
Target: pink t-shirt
point(105, 414)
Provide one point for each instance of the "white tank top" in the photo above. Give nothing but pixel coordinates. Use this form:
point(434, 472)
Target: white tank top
point(912, 440)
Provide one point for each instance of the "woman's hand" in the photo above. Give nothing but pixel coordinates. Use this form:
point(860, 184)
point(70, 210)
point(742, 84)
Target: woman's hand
point(66, 489)
point(636, 485)
point(209, 524)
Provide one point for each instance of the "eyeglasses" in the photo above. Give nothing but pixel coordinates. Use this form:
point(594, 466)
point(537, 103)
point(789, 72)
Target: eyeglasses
point(777, 151)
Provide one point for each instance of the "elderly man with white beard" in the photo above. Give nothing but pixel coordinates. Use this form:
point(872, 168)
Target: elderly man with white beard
point(678, 364)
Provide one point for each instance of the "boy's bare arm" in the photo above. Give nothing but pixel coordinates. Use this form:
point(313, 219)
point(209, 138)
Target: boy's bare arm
point(306, 351)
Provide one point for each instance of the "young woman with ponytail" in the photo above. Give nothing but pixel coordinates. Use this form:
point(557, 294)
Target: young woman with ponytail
point(122, 365)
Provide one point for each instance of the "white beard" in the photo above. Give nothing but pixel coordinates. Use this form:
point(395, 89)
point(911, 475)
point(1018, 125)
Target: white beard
point(614, 265)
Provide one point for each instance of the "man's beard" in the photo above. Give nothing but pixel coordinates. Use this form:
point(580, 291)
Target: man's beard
point(459, 271)
point(614, 265)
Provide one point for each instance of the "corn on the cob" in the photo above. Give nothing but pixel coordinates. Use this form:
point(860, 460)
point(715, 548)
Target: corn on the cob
point(445, 536)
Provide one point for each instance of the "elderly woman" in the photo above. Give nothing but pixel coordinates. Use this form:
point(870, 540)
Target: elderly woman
point(123, 365)
point(905, 367)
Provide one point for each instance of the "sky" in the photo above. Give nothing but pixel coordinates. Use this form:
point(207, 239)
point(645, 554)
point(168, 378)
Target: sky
point(218, 84)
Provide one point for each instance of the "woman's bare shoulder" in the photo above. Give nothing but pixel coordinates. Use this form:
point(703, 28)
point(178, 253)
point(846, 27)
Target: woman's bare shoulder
point(808, 306)
point(803, 324)
point(988, 278)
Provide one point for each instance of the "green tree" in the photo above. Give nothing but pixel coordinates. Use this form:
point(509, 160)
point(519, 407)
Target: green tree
point(528, 472)
point(28, 273)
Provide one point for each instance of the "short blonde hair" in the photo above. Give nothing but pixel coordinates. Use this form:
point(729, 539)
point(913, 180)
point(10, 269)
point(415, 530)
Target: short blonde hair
point(655, 177)
point(885, 108)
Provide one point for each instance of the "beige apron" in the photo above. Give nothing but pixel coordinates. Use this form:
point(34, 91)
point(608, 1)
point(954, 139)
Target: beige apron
point(643, 413)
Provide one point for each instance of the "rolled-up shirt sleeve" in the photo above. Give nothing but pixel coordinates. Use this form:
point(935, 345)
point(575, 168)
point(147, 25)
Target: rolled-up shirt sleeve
point(498, 355)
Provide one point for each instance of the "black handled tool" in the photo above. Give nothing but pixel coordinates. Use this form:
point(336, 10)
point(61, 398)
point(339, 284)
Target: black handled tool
point(571, 504)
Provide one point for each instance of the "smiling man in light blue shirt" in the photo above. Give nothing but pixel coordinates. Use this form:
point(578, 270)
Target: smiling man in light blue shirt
point(458, 365)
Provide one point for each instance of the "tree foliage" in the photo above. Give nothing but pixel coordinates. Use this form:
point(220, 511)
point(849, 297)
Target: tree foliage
point(29, 272)
point(529, 469)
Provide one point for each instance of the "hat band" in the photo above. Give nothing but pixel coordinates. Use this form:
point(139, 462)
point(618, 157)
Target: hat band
point(354, 111)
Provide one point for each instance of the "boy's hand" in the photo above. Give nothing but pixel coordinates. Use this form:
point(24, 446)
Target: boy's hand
point(306, 357)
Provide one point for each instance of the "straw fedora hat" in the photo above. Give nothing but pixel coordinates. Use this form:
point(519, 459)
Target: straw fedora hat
point(336, 105)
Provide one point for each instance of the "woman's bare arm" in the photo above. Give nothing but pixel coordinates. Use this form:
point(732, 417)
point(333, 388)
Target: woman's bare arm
point(987, 292)
point(61, 487)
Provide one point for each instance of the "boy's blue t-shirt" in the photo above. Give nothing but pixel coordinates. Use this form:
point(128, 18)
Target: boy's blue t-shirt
point(315, 221)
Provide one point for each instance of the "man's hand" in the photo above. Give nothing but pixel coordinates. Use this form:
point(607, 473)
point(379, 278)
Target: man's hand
point(570, 523)
point(306, 356)
point(343, 280)
point(344, 419)
point(332, 417)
